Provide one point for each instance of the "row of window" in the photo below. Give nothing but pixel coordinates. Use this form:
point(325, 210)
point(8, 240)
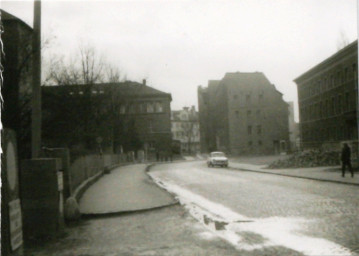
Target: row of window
point(249, 97)
point(250, 113)
point(329, 133)
point(143, 107)
point(328, 82)
point(250, 143)
point(181, 134)
point(93, 92)
point(258, 129)
point(326, 108)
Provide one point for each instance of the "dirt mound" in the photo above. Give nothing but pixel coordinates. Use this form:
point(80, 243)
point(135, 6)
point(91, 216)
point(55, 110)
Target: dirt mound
point(310, 158)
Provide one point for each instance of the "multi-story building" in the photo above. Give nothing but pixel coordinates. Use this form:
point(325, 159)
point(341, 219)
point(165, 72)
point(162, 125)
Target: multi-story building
point(17, 79)
point(125, 116)
point(294, 137)
point(185, 129)
point(328, 98)
point(243, 114)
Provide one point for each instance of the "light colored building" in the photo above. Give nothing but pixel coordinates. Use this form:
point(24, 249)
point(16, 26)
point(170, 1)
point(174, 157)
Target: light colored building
point(185, 130)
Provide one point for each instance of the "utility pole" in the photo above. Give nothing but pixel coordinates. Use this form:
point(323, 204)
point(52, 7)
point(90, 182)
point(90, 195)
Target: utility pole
point(36, 83)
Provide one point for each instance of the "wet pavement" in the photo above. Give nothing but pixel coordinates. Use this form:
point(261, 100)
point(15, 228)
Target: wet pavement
point(307, 216)
point(223, 212)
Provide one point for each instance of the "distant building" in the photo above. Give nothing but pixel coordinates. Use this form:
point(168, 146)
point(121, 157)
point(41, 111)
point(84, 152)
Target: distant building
point(126, 116)
point(17, 79)
point(294, 137)
point(185, 129)
point(243, 114)
point(328, 98)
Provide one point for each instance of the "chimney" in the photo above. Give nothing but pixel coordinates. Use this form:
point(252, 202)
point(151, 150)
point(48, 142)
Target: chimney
point(144, 81)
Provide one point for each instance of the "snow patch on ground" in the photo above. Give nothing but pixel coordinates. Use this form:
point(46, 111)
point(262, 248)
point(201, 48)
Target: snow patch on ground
point(234, 228)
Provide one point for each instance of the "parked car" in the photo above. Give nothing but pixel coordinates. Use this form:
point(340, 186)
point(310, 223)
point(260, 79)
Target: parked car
point(217, 159)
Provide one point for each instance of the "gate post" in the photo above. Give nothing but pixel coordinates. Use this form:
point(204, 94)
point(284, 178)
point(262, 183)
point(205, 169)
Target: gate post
point(11, 215)
point(42, 198)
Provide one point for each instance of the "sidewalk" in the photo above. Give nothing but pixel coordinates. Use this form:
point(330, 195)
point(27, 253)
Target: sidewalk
point(328, 173)
point(125, 189)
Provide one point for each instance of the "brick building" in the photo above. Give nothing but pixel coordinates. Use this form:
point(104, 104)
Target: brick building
point(328, 98)
point(126, 116)
point(243, 114)
point(185, 129)
point(17, 79)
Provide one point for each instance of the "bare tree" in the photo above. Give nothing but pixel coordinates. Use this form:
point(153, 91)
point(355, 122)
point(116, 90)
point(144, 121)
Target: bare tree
point(88, 67)
point(342, 40)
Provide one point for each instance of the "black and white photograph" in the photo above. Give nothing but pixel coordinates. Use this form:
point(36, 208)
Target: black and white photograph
point(179, 128)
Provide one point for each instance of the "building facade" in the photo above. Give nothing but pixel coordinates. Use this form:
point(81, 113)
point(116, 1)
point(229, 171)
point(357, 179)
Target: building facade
point(328, 98)
point(294, 135)
point(185, 130)
point(243, 114)
point(126, 116)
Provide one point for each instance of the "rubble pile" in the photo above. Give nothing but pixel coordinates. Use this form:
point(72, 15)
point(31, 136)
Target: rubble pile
point(310, 158)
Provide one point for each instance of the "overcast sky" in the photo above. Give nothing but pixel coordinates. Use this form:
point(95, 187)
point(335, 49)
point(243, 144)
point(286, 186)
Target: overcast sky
point(178, 45)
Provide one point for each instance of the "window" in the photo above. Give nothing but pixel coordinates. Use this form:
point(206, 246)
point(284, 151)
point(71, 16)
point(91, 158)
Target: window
point(259, 129)
point(235, 97)
point(150, 127)
point(249, 113)
point(339, 108)
point(331, 84)
point(333, 107)
point(249, 130)
point(258, 113)
point(248, 99)
point(132, 108)
point(347, 105)
point(142, 107)
point(159, 108)
point(321, 110)
point(123, 109)
point(237, 113)
point(355, 72)
point(326, 108)
point(249, 143)
point(150, 107)
point(259, 143)
point(346, 78)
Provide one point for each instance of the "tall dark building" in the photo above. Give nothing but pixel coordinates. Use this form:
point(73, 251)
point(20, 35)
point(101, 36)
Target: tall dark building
point(328, 98)
point(243, 114)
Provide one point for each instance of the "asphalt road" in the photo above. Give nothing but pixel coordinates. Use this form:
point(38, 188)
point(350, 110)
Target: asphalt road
point(255, 212)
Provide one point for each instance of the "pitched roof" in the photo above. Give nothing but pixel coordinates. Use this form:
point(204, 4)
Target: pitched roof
point(5, 16)
point(246, 78)
point(127, 88)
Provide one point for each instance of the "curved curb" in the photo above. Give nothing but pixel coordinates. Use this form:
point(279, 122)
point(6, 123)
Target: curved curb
point(120, 213)
point(93, 179)
point(296, 176)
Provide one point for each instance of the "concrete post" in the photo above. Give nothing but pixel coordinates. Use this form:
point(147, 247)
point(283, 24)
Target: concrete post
point(36, 83)
point(42, 199)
